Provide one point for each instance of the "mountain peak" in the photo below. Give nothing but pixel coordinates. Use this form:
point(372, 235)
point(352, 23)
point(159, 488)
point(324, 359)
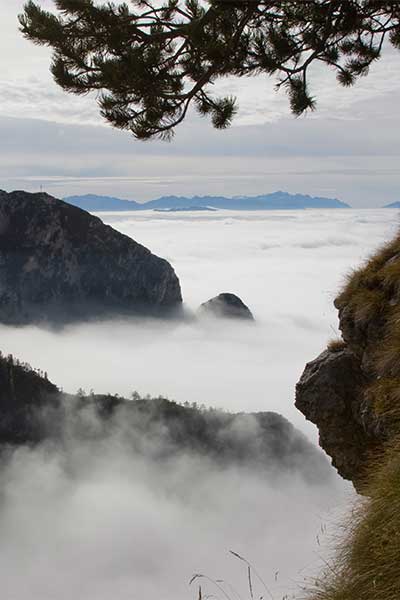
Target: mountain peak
point(60, 263)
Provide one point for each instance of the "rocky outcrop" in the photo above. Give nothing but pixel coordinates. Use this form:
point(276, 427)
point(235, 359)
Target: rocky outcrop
point(226, 305)
point(59, 263)
point(329, 394)
point(352, 390)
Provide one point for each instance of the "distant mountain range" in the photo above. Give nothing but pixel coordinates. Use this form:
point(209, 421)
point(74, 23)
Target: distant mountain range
point(186, 208)
point(92, 202)
point(274, 201)
point(392, 205)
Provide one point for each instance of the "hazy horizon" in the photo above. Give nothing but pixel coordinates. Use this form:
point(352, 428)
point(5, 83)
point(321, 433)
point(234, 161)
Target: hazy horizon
point(141, 200)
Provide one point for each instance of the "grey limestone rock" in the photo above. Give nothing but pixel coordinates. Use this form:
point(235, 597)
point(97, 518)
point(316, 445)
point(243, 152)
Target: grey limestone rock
point(59, 263)
point(330, 394)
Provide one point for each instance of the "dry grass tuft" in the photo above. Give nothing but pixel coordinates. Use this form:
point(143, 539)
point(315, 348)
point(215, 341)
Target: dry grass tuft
point(378, 274)
point(387, 354)
point(372, 299)
point(367, 564)
point(367, 305)
point(336, 345)
point(384, 397)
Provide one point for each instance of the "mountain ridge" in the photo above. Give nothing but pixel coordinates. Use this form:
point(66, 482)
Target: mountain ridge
point(34, 410)
point(275, 201)
point(393, 205)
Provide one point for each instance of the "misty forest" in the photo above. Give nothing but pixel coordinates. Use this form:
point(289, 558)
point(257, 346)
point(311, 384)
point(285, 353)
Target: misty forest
point(199, 300)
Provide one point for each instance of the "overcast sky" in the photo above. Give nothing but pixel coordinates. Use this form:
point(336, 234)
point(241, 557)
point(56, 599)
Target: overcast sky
point(348, 149)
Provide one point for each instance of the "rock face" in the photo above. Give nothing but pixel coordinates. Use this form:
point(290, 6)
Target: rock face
point(58, 262)
point(352, 390)
point(329, 394)
point(226, 305)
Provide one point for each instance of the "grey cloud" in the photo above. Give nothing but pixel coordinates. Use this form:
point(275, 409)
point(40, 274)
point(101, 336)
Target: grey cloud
point(290, 138)
point(349, 145)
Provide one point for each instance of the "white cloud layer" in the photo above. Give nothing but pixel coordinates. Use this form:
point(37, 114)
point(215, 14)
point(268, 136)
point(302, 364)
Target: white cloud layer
point(286, 266)
point(96, 522)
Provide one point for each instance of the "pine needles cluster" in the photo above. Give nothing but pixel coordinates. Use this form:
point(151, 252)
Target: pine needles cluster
point(150, 61)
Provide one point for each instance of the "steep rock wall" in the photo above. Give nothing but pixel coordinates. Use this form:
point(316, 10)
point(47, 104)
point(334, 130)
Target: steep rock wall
point(352, 390)
point(58, 262)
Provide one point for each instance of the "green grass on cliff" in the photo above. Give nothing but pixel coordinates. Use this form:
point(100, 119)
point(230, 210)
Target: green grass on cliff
point(367, 564)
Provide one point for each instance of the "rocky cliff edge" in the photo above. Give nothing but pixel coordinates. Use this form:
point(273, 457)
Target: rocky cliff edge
point(60, 263)
point(352, 390)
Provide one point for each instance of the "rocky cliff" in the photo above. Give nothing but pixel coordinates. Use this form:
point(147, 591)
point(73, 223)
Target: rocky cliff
point(58, 262)
point(352, 390)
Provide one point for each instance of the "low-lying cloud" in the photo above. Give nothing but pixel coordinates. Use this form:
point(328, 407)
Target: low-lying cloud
point(289, 288)
point(93, 521)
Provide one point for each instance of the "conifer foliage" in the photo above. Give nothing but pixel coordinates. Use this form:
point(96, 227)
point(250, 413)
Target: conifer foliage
point(150, 60)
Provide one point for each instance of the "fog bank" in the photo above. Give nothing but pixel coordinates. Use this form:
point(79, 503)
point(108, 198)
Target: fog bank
point(94, 521)
point(286, 266)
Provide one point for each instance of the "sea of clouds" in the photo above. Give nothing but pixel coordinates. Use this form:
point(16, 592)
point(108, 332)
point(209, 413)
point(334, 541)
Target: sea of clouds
point(94, 522)
point(286, 266)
